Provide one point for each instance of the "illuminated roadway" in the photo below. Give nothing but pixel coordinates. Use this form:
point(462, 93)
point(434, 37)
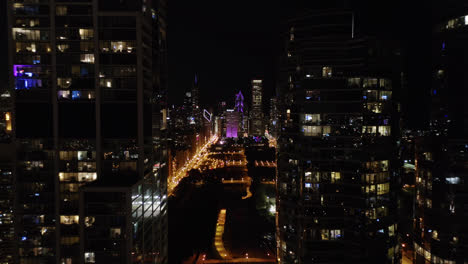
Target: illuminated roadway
point(196, 160)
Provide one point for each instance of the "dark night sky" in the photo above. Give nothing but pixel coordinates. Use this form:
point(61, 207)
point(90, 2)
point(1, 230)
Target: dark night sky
point(227, 43)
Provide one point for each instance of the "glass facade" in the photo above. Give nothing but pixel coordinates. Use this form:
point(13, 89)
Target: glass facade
point(439, 223)
point(337, 155)
point(88, 87)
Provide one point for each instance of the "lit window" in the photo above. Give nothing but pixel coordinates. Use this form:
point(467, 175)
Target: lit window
point(370, 83)
point(67, 176)
point(452, 180)
point(326, 72)
point(384, 83)
point(63, 47)
point(89, 221)
point(315, 131)
point(61, 10)
point(29, 34)
point(87, 58)
point(333, 234)
point(391, 230)
point(383, 188)
point(64, 83)
point(335, 177)
point(313, 118)
point(87, 176)
point(369, 129)
point(121, 46)
point(8, 121)
point(86, 34)
point(385, 95)
point(69, 219)
point(76, 95)
point(384, 131)
point(354, 82)
point(374, 107)
point(63, 94)
point(90, 257)
point(291, 34)
point(115, 232)
point(106, 83)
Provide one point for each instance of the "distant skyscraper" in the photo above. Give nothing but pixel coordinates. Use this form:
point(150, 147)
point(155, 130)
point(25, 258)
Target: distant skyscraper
point(441, 212)
point(337, 166)
point(256, 113)
point(7, 184)
point(232, 123)
point(274, 123)
point(239, 107)
point(196, 110)
point(86, 78)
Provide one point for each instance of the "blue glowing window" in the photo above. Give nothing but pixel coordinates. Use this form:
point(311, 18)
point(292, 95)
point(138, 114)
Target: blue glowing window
point(384, 97)
point(365, 96)
point(23, 238)
point(84, 71)
point(76, 95)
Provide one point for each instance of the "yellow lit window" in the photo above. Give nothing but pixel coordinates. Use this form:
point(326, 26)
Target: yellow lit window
point(335, 176)
point(315, 131)
point(8, 121)
point(69, 219)
point(68, 176)
point(326, 72)
point(89, 221)
point(384, 131)
point(68, 241)
point(87, 176)
point(86, 34)
point(87, 58)
point(61, 10)
point(383, 188)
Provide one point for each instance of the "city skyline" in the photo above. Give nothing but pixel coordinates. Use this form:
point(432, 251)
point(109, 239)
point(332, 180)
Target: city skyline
point(286, 132)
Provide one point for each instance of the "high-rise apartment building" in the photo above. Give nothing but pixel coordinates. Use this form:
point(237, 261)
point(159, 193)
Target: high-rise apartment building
point(7, 191)
point(274, 124)
point(256, 114)
point(337, 164)
point(439, 225)
point(87, 82)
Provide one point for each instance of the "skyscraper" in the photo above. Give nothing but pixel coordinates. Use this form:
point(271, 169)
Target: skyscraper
point(7, 185)
point(196, 110)
point(256, 113)
point(337, 165)
point(439, 225)
point(232, 123)
point(86, 77)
